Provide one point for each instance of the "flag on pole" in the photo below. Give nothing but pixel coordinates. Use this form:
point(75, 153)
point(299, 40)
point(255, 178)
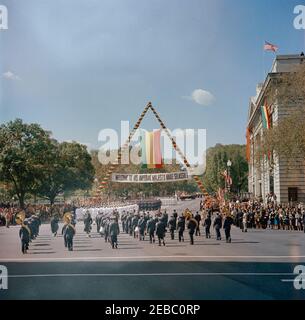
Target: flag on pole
point(265, 116)
point(270, 47)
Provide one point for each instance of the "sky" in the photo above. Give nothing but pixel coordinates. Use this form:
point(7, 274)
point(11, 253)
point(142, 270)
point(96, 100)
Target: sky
point(79, 66)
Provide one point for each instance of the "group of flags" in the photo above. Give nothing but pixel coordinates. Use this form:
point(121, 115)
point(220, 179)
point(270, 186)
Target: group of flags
point(227, 177)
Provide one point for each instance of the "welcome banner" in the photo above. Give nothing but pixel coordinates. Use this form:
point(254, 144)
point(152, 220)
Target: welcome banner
point(150, 178)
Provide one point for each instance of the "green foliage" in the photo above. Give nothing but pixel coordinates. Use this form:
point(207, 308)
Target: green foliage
point(217, 158)
point(31, 162)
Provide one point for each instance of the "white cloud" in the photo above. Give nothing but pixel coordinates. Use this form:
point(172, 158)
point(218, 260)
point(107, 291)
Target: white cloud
point(202, 97)
point(10, 76)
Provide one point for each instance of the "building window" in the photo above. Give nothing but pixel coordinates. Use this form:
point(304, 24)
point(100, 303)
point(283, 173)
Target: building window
point(293, 194)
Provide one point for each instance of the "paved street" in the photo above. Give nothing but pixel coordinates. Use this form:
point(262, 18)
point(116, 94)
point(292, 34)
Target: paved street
point(256, 265)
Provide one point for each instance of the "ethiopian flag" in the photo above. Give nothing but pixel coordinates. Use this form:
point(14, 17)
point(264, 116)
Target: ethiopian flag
point(151, 149)
point(265, 116)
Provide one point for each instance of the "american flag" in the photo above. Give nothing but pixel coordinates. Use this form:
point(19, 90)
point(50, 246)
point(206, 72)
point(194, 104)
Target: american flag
point(270, 47)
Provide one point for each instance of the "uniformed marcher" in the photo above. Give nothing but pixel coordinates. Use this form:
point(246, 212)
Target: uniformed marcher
point(160, 231)
point(25, 235)
point(227, 227)
point(192, 225)
point(151, 227)
point(114, 230)
point(134, 224)
point(207, 224)
point(68, 232)
point(106, 229)
point(142, 227)
point(88, 222)
point(181, 227)
point(198, 219)
point(217, 225)
point(98, 221)
point(172, 226)
point(54, 225)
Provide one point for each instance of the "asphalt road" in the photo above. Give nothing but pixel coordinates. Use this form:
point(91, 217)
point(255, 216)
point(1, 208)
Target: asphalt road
point(256, 265)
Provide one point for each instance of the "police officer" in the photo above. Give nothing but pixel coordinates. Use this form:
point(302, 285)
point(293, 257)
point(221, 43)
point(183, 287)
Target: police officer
point(207, 224)
point(181, 227)
point(114, 230)
point(24, 234)
point(198, 219)
point(160, 231)
point(227, 227)
point(172, 226)
point(151, 227)
point(217, 225)
point(192, 225)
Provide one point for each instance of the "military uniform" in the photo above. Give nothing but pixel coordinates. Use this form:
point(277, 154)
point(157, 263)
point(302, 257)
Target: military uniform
point(207, 225)
point(114, 230)
point(172, 226)
point(192, 225)
point(227, 227)
point(151, 227)
point(25, 235)
point(160, 231)
point(181, 228)
point(68, 232)
point(217, 225)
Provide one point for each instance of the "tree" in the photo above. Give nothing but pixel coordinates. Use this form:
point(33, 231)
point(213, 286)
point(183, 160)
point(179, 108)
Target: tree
point(23, 150)
point(217, 158)
point(69, 169)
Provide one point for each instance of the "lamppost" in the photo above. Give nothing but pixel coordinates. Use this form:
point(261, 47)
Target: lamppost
point(229, 164)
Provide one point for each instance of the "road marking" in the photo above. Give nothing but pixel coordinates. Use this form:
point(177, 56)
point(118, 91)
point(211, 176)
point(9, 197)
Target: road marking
point(175, 274)
point(144, 258)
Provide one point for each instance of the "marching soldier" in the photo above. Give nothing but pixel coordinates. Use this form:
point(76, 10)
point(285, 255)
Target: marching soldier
point(207, 224)
point(181, 227)
point(54, 225)
point(68, 232)
point(198, 219)
point(87, 222)
point(106, 229)
point(217, 225)
point(160, 231)
point(128, 224)
point(98, 221)
point(134, 224)
point(114, 230)
point(141, 226)
point(227, 227)
point(151, 227)
point(172, 226)
point(192, 226)
point(25, 235)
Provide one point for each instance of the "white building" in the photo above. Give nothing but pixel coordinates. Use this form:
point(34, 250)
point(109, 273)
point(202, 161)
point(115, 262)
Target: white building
point(288, 184)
